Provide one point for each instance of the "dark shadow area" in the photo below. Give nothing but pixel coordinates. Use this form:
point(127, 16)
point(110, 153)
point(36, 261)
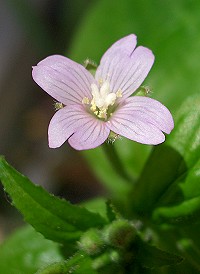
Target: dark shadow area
point(30, 31)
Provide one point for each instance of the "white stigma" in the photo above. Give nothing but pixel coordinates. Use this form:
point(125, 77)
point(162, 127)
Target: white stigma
point(102, 99)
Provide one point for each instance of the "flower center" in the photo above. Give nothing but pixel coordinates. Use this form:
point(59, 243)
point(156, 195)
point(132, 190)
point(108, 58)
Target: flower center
point(102, 100)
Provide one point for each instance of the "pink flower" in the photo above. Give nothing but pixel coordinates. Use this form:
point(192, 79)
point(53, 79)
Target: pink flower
point(96, 106)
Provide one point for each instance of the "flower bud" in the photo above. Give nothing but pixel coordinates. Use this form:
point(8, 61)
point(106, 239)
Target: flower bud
point(119, 234)
point(91, 242)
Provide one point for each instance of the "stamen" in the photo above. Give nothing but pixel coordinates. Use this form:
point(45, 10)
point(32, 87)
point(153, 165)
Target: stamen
point(89, 64)
point(86, 101)
point(102, 99)
point(103, 114)
point(113, 137)
point(119, 93)
point(100, 81)
point(93, 106)
point(58, 105)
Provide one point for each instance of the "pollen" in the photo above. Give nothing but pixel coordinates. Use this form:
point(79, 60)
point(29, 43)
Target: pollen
point(86, 101)
point(58, 105)
point(119, 93)
point(100, 81)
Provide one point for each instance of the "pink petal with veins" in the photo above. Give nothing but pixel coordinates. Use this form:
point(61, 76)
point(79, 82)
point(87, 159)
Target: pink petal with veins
point(63, 79)
point(80, 128)
point(142, 119)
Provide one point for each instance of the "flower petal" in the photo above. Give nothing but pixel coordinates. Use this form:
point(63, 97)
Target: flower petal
point(64, 123)
point(63, 79)
point(135, 70)
point(126, 45)
point(81, 129)
point(109, 61)
point(126, 72)
point(151, 111)
point(142, 119)
point(91, 134)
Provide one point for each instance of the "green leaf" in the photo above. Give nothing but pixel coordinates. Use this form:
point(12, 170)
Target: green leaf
point(104, 207)
point(169, 182)
point(188, 209)
point(111, 211)
point(97, 205)
point(152, 257)
point(77, 264)
point(55, 218)
point(26, 251)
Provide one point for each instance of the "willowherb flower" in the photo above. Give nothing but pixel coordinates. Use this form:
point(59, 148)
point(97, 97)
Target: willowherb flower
point(96, 106)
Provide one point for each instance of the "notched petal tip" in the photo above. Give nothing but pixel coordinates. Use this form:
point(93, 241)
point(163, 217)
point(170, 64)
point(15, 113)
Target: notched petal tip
point(125, 46)
point(144, 55)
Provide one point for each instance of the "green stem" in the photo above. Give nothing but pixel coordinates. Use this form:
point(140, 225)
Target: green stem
point(115, 161)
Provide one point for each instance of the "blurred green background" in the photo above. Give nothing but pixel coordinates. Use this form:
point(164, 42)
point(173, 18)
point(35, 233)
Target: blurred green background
point(32, 30)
